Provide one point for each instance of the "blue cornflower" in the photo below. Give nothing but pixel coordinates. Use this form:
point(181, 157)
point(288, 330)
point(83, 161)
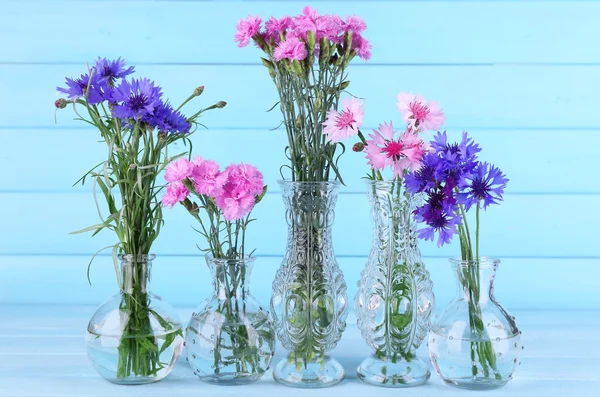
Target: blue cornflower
point(465, 150)
point(166, 119)
point(441, 222)
point(425, 178)
point(83, 86)
point(109, 71)
point(135, 100)
point(486, 183)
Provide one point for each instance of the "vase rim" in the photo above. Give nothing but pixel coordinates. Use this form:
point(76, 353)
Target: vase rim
point(483, 261)
point(140, 258)
point(225, 261)
point(309, 183)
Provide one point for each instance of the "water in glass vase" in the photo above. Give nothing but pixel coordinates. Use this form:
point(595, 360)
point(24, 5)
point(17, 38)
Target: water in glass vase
point(103, 351)
point(230, 339)
point(474, 343)
point(135, 337)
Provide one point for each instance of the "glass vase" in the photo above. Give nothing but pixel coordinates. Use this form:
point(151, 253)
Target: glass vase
point(394, 300)
point(474, 343)
point(230, 338)
point(309, 301)
point(135, 337)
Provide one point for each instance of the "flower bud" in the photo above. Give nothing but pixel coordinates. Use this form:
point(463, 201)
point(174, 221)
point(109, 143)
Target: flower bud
point(132, 166)
point(61, 103)
point(358, 147)
point(198, 91)
point(221, 104)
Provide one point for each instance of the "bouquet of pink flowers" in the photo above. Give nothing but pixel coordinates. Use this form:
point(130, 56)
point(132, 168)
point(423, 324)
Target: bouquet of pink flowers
point(223, 198)
point(307, 56)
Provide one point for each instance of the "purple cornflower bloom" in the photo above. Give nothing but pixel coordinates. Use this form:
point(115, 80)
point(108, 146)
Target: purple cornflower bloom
point(85, 85)
point(440, 222)
point(167, 119)
point(137, 99)
point(424, 178)
point(486, 183)
point(465, 150)
point(109, 71)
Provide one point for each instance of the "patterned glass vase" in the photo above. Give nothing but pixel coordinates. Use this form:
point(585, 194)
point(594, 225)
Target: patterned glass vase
point(230, 338)
point(474, 343)
point(394, 300)
point(135, 337)
point(309, 301)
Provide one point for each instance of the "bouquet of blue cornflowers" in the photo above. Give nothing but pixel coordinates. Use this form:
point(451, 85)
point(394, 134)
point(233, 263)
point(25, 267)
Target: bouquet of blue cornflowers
point(455, 182)
point(137, 125)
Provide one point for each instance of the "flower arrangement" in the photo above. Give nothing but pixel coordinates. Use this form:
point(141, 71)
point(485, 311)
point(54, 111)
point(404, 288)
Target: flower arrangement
point(225, 200)
point(307, 56)
point(137, 125)
point(454, 182)
point(394, 271)
point(221, 202)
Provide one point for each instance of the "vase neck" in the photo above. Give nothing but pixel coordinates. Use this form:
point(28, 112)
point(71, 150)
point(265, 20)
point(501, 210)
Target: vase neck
point(231, 277)
point(135, 273)
point(395, 228)
point(476, 279)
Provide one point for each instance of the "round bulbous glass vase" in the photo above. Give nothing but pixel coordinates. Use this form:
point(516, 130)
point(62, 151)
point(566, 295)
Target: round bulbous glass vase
point(230, 339)
point(394, 300)
point(309, 302)
point(474, 343)
point(135, 337)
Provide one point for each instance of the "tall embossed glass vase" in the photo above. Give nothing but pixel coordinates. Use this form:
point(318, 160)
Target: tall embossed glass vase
point(309, 302)
point(394, 300)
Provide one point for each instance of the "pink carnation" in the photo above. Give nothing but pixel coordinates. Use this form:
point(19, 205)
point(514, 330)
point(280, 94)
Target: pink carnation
point(244, 183)
point(419, 113)
point(208, 179)
point(402, 154)
point(274, 27)
point(306, 21)
point(362, 47)
point(344, 124)
point(292, 48)
point(330, 27)
point(355, 24)
point(245, 177)
point(246, 28)
point(176, 192)
point(178, 170)
point(235, 203)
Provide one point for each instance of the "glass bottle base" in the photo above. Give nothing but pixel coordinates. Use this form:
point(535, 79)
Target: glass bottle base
point(230, 379)
point(477, 384)
point(387, 373)
point(322, 372)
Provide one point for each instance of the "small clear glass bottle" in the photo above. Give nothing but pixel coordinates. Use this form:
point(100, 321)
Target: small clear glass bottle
point(230, 339)
point(135, 337)
point(474, 343)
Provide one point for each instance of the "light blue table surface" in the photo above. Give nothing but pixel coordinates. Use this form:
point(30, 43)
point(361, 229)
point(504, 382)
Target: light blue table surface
point(42, 354)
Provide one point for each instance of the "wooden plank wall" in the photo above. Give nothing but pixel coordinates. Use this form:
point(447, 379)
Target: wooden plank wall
point(521, 76)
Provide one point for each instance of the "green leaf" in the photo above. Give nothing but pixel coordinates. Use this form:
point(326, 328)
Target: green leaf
point(88, 229)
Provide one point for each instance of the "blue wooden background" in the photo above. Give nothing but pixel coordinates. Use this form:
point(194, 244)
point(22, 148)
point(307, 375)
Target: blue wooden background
point(521, 76)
